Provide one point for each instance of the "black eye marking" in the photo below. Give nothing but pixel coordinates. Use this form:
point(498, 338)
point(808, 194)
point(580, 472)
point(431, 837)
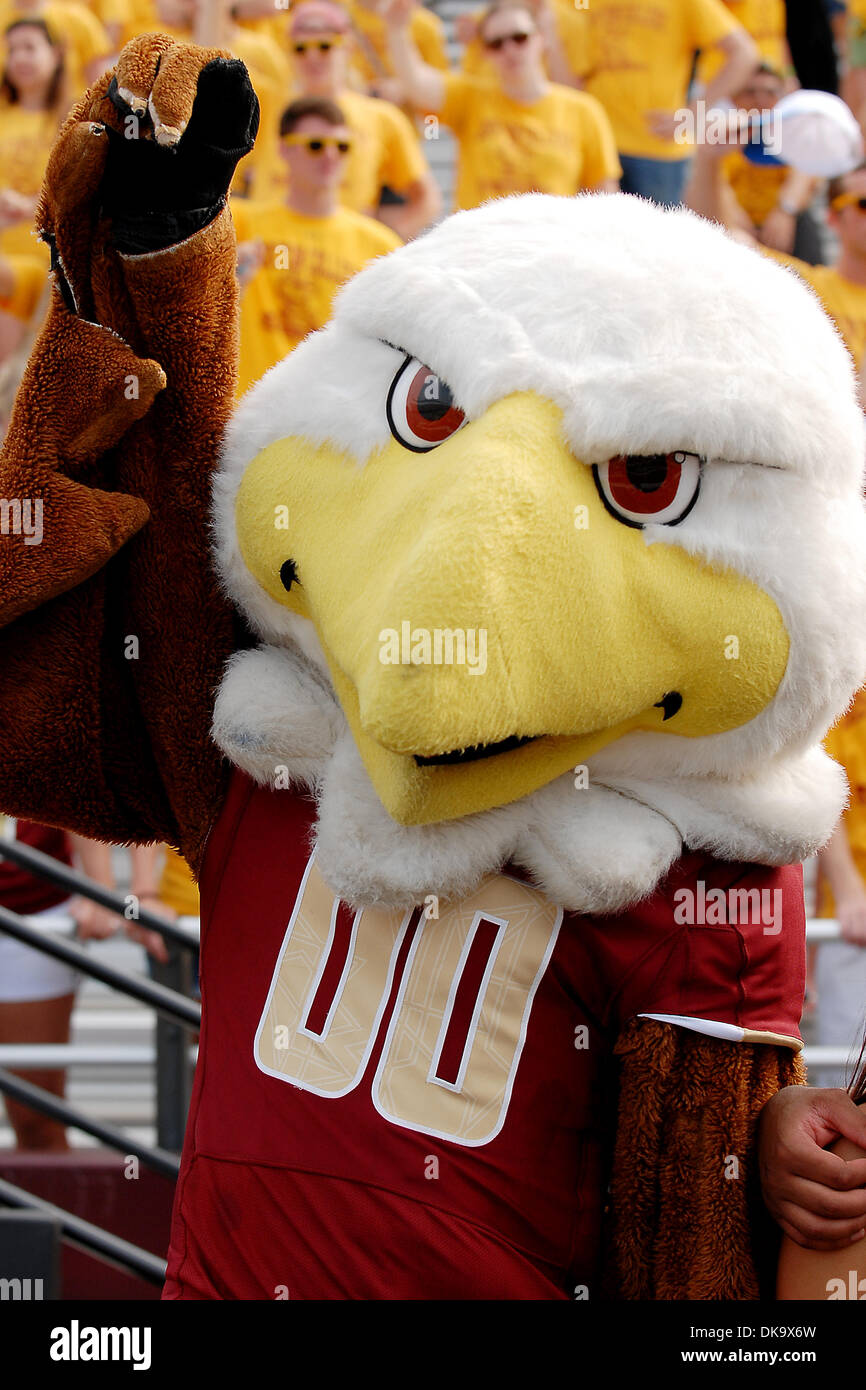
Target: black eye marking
point(670, 703)
point(288, 574)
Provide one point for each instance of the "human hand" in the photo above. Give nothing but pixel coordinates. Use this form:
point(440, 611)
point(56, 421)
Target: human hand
point(818, 1198)
point(14, 207)
point(151, 940)
point(664, 124)
point(465, 28)
point(778, 231)
point(93, 921)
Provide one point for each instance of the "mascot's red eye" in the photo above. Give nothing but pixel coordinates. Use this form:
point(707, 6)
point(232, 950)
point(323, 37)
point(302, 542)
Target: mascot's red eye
point(644, 489)
point(421, 409)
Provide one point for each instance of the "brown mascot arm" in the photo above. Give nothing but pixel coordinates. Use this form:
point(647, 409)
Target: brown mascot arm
point(686, 1220)
point(113, 632)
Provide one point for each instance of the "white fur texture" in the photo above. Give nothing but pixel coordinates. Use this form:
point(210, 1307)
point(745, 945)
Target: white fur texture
point(652, 331)
point(591, 849)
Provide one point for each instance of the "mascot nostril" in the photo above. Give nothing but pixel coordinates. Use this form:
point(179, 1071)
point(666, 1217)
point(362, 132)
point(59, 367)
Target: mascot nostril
point(670, 703)
point(500, 923)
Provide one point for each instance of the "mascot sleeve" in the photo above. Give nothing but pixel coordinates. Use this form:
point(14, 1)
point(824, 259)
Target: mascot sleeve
point(708, 981)
point(113, 632)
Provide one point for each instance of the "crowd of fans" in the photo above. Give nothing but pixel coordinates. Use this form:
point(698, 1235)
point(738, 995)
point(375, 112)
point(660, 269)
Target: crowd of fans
point(557, 96)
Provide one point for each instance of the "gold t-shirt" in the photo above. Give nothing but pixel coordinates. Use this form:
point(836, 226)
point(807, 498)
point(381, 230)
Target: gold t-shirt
point(306, 260)
point(384, 150)
point(639, 59)
point(26, 138)
point(560, 144)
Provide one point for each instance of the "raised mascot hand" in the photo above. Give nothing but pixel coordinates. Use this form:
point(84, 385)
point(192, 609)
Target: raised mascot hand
point(113, 632)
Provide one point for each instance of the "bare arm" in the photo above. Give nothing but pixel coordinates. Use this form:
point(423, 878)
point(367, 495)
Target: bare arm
point(424, 84)
point(741, 59)
point(824, 1274)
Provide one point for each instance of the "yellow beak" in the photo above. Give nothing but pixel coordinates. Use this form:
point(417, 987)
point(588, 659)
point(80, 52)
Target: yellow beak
point(482, 593)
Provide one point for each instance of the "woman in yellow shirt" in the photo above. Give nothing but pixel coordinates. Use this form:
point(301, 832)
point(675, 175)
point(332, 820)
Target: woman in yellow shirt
point(520, 133)
point(32, 103)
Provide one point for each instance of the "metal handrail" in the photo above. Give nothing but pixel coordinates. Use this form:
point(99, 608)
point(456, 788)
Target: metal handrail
point(50, 1056)
point(44, 866)
point(160, 1160)
point(166, 1001)
point(81, 1232)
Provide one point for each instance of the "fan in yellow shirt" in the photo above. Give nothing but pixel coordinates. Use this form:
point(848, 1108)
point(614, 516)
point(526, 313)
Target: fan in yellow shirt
point(293, 256)
point(85, 43)
point(521, 133)
point(31, 106)
point(638, 64)
point(565, 31)
point(840, 288)
point(768, 198)
point(384, 149)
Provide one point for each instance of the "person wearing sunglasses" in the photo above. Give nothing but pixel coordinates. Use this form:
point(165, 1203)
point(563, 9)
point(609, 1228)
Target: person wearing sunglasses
point(294, 254)
point(520, 133)
point(841, 288)
point(561, 23)
point(385, 151)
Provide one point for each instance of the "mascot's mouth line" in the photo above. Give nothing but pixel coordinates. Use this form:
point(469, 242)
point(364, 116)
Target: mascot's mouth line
point(476, 752)
point(671, 703)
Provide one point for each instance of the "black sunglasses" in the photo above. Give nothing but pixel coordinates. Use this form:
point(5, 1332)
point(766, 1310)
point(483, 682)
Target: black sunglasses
point(323, 45)
point(496, 44)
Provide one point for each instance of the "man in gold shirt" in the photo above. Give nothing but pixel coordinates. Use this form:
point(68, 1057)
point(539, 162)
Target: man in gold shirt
point(385, 151)
point(304, 248)
point(841, 288)
point(519, 133)
point(638, 62)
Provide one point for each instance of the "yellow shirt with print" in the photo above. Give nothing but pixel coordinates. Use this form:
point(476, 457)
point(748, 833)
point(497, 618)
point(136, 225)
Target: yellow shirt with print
point(306, 260)
point(756, 187)
point(843, 301)
point(639, 59)
point(764, 20)
point(846, 744)
point(561, 143)
point(384, 151)
point(26, 138)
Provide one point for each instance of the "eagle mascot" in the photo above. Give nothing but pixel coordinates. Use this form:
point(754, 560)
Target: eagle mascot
point(481, 666)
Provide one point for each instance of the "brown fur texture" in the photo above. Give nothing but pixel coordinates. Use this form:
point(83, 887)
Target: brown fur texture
point(685, 1216)
point(115, 631)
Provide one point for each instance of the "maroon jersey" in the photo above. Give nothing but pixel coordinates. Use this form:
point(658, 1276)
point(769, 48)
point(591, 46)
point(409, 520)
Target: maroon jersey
point(23, 892)
point(413, 1105)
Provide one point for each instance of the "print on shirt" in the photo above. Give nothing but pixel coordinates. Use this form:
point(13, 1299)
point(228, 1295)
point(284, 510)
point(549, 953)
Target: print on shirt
point(458, 1025)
